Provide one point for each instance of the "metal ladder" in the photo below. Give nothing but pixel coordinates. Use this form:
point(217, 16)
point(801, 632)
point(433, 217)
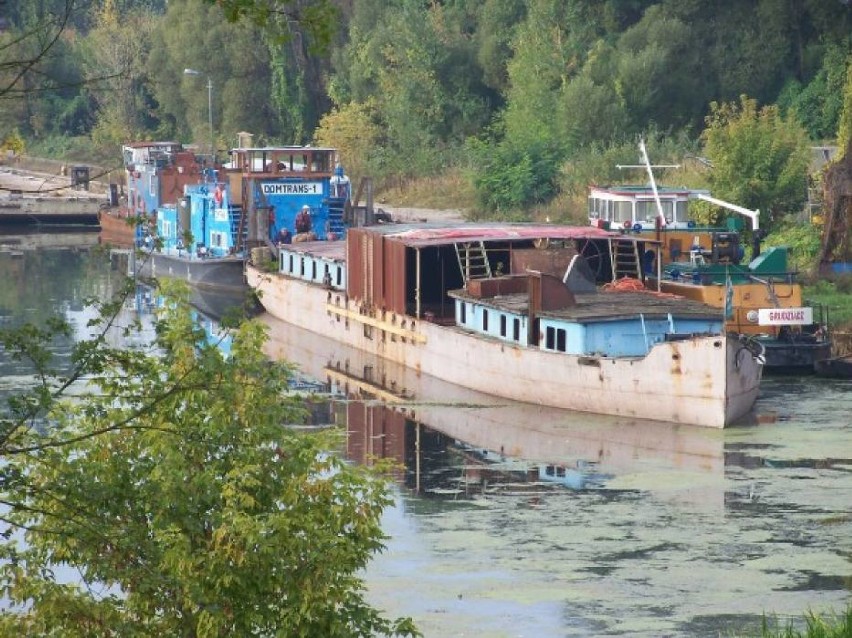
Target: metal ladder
point(625, 260)
point(473, 260)
point(336, 224)
point(239, 231)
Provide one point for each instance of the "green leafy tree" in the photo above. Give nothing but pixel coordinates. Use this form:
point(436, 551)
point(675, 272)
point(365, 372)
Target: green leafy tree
point(817, 105)
point(497, 21)
point(317, 20)
point(240, 75)
point(844, 127)
point(170, 486)
point(353, 131)
point(415, 65)
point(117, 50)
point(760, 159)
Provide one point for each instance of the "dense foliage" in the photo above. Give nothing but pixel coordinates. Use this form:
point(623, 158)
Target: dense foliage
point(512, 92)
point(167, 497)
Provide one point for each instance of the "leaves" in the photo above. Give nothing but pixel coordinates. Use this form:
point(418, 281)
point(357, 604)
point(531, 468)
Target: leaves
point(760, 159)
point(183, 505)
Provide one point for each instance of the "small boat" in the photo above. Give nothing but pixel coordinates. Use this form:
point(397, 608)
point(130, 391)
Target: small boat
point(834, 367)
point(761, 299)
point(514, 311)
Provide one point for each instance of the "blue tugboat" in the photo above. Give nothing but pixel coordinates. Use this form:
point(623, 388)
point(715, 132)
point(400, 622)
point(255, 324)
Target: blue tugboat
point(262, 198)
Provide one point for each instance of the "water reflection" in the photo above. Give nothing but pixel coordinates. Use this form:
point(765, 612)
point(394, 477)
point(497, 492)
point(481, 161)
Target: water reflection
point(516, 520)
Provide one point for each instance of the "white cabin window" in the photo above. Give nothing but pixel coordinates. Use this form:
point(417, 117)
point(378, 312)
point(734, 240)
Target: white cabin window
point(682, 212)
point(622, 211)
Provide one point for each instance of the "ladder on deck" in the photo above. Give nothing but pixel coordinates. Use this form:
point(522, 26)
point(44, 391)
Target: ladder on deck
point(336, 222)
point(625, 259)
point(473, 260)
point(239, 231)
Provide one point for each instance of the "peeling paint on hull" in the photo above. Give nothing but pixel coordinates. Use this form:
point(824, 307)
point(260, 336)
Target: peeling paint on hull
point(708, 381)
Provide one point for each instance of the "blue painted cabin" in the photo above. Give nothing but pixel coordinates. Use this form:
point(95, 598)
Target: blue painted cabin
point(205, 210)
point(281, 182)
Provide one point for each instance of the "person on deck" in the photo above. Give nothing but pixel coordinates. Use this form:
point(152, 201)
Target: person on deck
point(303, 220)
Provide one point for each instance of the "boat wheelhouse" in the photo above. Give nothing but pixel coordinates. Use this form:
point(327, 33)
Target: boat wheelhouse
point(704, 263)
point(290, 191)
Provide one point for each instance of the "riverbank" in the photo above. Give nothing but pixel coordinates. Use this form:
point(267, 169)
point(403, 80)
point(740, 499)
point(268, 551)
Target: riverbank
point(30, 197)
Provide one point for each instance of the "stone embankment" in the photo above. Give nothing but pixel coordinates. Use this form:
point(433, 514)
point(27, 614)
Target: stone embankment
point(50, 195)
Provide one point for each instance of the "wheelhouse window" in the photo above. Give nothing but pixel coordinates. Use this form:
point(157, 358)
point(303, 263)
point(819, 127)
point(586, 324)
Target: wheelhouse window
point(502, 325)
point(682, 212)
point(622, 211)
point(484, 320)
point(516, 329)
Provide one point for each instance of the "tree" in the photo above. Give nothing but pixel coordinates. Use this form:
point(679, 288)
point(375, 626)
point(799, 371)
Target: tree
point(352, 130)
point(240, 74)
point(169, 484)
point(117, 50)
point(318, 20)
point(760, 159)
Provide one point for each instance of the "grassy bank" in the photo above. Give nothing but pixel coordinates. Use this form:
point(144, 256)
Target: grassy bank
point(812, 626)
point(836, 295)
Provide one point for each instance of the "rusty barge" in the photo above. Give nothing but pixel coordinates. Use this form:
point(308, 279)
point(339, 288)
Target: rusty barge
point(516, 311)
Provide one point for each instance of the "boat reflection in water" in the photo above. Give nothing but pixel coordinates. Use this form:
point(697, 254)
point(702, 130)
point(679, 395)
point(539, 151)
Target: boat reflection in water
point(451, 442)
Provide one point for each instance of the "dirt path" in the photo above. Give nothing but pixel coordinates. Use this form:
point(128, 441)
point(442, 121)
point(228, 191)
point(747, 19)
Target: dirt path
point(412, 215)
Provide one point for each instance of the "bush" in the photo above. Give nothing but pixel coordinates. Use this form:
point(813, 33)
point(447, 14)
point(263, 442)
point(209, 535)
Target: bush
point(511, 178)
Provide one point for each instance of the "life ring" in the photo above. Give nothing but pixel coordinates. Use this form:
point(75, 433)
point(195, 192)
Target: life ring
point(218, 195)
point(628, 224)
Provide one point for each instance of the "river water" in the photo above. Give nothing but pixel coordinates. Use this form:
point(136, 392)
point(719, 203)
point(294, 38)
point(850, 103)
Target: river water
point(514, 520)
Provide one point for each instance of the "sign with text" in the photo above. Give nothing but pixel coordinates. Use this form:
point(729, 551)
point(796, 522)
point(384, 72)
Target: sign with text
point(785, 316)
point(296, 188)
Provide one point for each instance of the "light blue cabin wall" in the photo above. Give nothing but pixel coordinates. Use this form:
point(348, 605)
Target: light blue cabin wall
point(167, 226)
point(573, 336)
point(312, 269)
point(472, 319)
point(209, 220)
point(143, 189)
point(625, 338)
point(631, 337)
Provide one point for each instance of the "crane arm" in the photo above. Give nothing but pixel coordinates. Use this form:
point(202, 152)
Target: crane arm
point(753, 215)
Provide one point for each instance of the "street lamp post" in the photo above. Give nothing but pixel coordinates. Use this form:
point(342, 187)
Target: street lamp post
point(209, 106)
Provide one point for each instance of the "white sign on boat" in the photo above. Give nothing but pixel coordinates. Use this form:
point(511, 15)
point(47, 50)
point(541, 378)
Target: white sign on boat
point(785, 316)
point(287, 188)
